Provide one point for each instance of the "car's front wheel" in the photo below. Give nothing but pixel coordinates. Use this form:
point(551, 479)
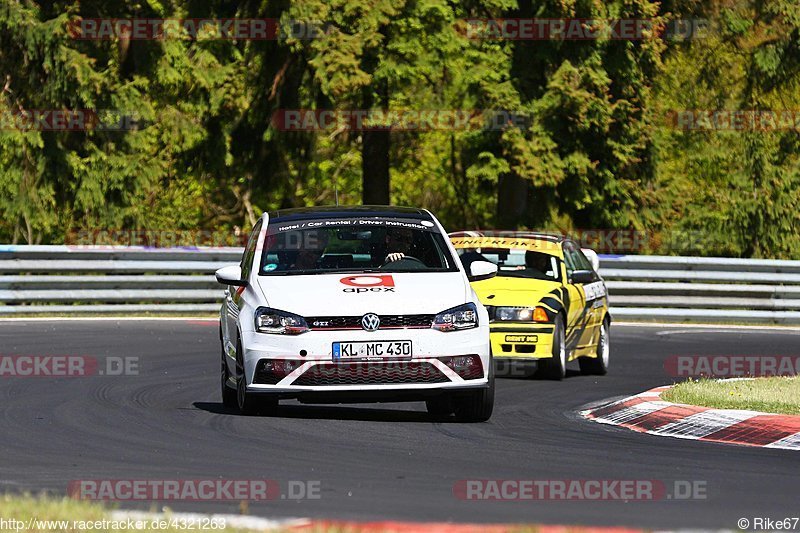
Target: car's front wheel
point(555, 367)
point(250, 403)
point(598, 365)
point(477, 405)
point(228, 393)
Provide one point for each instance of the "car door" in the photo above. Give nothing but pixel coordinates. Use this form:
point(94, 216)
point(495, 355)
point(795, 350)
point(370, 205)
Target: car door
point(594, 293)
point(234, 295)
point(578, 312)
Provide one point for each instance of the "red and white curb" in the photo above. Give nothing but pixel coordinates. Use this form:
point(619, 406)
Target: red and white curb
point(648, 413)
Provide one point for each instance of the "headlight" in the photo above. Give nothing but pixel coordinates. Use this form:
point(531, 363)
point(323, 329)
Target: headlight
point(279, 322)
point(461, 317)
point(521, 314)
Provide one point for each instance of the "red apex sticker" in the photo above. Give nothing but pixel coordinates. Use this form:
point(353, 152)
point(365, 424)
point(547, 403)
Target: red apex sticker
point(368, 281)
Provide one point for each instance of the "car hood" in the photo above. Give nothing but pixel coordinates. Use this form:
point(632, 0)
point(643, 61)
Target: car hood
point(513, 291)
point(356, 294)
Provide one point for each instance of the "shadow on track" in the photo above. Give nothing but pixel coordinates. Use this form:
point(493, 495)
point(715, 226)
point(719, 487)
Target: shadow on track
point(529, 374)
point(335, 412)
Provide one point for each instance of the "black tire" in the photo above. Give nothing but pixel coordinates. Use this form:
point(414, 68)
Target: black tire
point(250, 403)
point(598, 366)
point(477, 406)
point(555, 367)
point(228, 393)
point(440, 406)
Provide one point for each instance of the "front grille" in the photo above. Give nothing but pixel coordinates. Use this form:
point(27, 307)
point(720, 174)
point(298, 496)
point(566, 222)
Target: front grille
point(519, 348)
point(389, 373)
point(354, 322)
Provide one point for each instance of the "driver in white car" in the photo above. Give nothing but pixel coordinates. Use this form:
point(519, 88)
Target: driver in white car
point(401, 240)
point(314, 245)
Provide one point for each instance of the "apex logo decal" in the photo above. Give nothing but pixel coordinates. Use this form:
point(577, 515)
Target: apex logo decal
point(368, 280)
point(368, 283)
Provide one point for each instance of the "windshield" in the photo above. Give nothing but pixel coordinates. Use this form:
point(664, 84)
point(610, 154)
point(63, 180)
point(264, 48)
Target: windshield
point(320, 246)
point(515, 263)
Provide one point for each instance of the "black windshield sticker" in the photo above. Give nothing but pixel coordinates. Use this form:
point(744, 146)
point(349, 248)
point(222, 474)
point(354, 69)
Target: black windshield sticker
point(357, 222)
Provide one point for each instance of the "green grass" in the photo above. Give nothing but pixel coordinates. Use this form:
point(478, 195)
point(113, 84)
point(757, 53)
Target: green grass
point(770, 395)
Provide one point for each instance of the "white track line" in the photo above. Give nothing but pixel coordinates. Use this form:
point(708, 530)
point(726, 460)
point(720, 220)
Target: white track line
point(691, 328)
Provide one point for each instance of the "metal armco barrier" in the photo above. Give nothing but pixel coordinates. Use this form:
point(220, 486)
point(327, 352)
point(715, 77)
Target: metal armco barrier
point(37, 280)
point(702, 289)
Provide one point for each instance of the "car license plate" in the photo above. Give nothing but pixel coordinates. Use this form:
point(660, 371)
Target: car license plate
point(522, 338)
point(372, 350)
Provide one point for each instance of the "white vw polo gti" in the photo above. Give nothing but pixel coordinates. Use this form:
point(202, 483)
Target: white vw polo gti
point(355, 304)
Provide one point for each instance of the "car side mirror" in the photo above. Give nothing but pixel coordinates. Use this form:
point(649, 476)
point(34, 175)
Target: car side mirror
point(480, 270)
point(593, 258)
point(231, 275)
point(582, 276)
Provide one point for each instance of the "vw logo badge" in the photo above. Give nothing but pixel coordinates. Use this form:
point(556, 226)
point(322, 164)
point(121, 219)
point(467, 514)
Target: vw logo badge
point(370, 322)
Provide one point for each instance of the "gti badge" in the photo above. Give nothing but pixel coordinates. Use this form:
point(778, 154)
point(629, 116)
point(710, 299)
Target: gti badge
point(370, 322)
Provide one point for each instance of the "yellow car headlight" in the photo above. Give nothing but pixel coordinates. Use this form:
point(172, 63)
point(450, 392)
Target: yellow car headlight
point(521, 314)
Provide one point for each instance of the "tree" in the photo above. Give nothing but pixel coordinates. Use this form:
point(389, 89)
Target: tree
point(585, 154)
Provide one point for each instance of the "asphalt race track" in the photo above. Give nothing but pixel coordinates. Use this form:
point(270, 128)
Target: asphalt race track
point(374, 461)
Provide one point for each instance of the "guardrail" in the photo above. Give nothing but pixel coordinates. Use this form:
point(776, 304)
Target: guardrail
point(40, 280)
point(703, 289)
point(37, 280)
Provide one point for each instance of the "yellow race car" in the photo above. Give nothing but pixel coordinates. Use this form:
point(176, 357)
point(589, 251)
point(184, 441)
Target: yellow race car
point(547, 305)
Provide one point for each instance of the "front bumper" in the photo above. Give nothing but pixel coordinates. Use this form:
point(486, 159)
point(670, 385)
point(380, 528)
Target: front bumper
point(514, 340)
point(315, 371)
